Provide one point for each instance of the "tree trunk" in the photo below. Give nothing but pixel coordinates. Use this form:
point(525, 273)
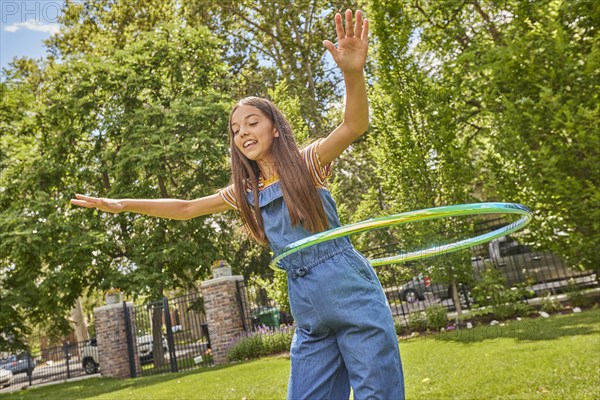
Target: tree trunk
point(78, 322)
point(157, 342)
point(456, 298)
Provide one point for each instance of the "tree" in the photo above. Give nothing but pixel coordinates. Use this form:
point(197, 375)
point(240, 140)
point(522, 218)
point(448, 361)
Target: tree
point(497, 99)
point(17, 285)
point(523, 84)
point(420, 149)
point(271, 41)
point(146, 120)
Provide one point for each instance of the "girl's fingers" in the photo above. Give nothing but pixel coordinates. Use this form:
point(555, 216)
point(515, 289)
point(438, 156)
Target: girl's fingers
point(85, 201)
point(86, 198)
point(365, 31)
point(349, 27)
point(339, 29)
point(331, 47)
point(359, 24)
point(82, 203)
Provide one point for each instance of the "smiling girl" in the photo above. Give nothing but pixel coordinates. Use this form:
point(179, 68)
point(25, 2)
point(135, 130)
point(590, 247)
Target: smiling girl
point(345, 335)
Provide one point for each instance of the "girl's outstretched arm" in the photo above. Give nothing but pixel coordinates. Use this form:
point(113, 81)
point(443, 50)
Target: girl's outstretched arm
point(350, 56)
point(162, 208)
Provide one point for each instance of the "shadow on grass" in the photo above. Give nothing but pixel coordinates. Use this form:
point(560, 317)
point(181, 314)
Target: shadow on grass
point(586, 323)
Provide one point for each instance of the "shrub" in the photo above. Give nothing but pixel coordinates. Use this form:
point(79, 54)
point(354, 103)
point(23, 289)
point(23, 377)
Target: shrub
point(245, 347)
point(278, 341)
point(262, 342)
point(550, 304)
point(401, 328)
point(577, 298)
point(503, 302)
point(437, 317)
point(417, 321)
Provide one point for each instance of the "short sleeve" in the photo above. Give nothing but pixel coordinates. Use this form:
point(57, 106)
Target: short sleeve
point(319, 172)
point(228, 195)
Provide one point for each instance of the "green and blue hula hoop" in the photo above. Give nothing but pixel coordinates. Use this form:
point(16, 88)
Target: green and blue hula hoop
point(419, 216)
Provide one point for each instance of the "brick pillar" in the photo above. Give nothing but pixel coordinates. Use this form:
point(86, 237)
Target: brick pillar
point(113, 351)
point(223, 314)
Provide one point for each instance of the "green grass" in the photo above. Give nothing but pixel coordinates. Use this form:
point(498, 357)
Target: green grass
point(554, 358)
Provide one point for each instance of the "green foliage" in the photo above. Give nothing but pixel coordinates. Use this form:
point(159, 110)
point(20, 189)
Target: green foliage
point(267, 42)
point(503, 302)
point(290, 106)
point(246, 348)
point(421, 153)
point(400, 327)
point(437, 317)
point(276, 288)
point(433, 318)
point(145, 119)
point(417, 321)
point(261, 343)
point(579, 298)
point(469, 102)
point(550, 304)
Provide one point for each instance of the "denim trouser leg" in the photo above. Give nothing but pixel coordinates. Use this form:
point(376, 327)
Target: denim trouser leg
point(345, 333)
point(318, 370)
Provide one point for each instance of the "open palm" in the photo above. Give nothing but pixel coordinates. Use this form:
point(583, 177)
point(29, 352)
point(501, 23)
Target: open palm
point(351, 51)
point(107, 205)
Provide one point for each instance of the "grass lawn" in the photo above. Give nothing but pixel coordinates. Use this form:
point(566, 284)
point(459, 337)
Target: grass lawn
point(553, 358)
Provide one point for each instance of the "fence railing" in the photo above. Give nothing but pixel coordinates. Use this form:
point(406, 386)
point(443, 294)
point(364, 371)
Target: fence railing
point(182, 331)
point(54, 363)
point(538, 273)
point(257, 309)
point(171, 335)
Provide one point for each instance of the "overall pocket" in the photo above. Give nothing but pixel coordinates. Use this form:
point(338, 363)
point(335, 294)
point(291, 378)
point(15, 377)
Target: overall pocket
point(360, 265)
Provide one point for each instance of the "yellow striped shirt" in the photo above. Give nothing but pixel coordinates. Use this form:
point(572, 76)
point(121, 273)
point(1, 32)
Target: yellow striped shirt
point(319, 173)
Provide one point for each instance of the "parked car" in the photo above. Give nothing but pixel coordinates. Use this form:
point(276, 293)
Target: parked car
point(6, 378)
point(18, 364)
point(89, 357)
point(89, 353)
point(519, 263)
point(419, 286)
point(145, 347)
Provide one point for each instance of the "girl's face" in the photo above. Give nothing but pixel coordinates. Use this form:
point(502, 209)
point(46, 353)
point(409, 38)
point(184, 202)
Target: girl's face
point(253, 132)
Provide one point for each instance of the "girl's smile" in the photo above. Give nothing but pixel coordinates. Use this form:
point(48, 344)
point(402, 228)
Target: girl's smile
point(253, 133)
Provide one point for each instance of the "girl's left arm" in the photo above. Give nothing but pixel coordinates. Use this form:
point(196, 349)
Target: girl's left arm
point(350, 56)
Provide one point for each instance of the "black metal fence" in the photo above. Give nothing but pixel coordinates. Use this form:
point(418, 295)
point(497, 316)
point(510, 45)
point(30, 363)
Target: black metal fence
point(412, 287)
point(257, 309)
point(42, 365)
point(503, 262)
point(171, 335)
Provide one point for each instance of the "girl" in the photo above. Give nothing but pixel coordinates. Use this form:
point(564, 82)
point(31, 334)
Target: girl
point(345, 334)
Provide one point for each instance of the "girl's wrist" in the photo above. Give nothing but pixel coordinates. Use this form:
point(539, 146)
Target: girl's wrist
point(353, 74)
point(121, 206)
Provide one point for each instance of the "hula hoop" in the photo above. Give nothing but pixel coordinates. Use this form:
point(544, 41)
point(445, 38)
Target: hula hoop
point(418, 216)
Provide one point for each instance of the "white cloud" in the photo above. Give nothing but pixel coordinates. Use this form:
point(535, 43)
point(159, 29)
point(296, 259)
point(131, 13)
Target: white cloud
point(32, 25)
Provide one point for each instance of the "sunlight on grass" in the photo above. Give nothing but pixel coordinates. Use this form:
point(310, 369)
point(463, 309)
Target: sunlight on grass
point(540, 358)
point(552, 358)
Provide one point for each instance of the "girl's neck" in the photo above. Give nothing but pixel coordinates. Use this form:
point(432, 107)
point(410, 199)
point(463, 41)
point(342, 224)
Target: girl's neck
point(268, 169)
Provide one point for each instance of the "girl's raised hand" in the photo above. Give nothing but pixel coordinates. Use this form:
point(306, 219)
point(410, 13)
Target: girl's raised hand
point(108, 205)
point(351, 52)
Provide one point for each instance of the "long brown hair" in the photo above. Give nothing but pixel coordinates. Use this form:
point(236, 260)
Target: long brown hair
point(299, 193)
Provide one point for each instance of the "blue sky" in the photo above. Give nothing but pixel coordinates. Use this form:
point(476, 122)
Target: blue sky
point(24, 24)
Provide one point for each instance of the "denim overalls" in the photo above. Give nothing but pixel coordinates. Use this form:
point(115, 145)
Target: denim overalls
point(345, 333)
